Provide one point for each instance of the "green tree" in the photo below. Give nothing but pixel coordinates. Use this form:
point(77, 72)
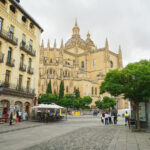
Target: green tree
point(61, 90)
point(77, 93)
point(106, 103)
point(133, 82)
point(48, 99)
point(49, 89)
point(67, 101)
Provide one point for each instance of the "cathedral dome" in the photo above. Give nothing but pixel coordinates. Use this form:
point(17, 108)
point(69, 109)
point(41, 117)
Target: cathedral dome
point(75, 39)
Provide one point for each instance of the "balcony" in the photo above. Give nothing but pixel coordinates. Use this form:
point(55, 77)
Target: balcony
point(30, 70)
point(1, 57)
point(10, 38)
point(27, 49)
point(16, 90)
point(10, 62)
point(22, 67)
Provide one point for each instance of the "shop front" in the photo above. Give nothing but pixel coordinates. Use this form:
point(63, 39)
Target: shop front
point(4, 109)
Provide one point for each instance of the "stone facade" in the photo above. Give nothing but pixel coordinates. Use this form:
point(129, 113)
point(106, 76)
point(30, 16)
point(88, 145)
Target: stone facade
point(79, 63)
point(19, 56)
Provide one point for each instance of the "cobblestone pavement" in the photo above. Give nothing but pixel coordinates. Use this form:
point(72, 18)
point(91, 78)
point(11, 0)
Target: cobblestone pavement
point(77, 133)
point(89, 138)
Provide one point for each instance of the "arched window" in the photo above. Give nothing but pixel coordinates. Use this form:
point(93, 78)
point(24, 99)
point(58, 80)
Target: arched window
point(66, 89)
point(51, 71)
point(95, 91)
point(82, 64)
point(111, 64)
point(51, 61)
point(92, 90)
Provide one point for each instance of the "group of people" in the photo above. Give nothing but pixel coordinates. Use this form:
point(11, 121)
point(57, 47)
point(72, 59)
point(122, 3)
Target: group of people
point(109, 118)
point(15, 117)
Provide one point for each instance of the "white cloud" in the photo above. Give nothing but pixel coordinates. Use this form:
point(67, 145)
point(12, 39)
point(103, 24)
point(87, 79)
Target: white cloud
point(123, 22)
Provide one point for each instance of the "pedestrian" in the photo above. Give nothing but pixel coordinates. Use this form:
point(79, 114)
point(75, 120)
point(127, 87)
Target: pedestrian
point(102, 117)
point(11, 118)
point(127, 116)
point(106, 118)
point(115, 117)
point(109, 118)
point(19, 114)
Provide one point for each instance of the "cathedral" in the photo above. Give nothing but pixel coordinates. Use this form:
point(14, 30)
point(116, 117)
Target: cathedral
point(79, 63)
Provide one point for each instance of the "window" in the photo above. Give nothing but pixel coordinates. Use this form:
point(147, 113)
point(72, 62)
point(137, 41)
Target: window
point(21, 60)
point(7, 76)
point(30, 44)
point(11, 32)
point(95, 91)
point(92, 90)
point(111, 64)
point(51, 61)
point(24, 19)
point(9, 55)
point(23, 39)
point(28, 84)
point(20, 81)
point(1, 23)
point(94, 62)
point(12, 8)
point(30, 61)
point(67, 89)
point(31, 25)
point(74, 89)
point(82, 64)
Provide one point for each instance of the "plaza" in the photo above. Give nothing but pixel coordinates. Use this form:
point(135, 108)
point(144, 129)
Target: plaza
point(76, 133)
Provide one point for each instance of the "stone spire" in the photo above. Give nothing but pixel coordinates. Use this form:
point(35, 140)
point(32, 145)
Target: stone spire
point(120, 58)
point(62, 45)
point(42, 44)
point(48, 44)
point(106, 44)
point(76, 30)
point(55, 44)
point(88, 35)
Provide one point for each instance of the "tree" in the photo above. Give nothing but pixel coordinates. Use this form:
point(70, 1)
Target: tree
point(48, 99)
point(61, 90)
point(77, 93)
point(67, 101)
point(132, 82)
point(106, 103)
point(49, 89)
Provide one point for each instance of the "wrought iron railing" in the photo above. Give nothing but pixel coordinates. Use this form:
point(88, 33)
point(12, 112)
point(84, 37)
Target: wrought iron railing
point(10, 62)
point(9, 37)
point(27, 49)
point(16, 87)
point(30, 70)
point(22, 67)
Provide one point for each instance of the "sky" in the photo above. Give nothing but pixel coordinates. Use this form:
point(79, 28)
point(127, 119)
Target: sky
point(123, 22)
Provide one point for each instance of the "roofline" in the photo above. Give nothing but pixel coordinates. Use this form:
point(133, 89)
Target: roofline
point(26, 14)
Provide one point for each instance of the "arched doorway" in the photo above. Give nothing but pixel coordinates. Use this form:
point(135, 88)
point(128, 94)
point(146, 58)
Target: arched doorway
point(18, 106)
point(27, 109)
point(4, 108)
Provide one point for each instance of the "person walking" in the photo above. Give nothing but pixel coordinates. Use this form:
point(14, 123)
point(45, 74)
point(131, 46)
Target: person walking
point(106, 118)
point(19, 114)
point(115, 117)
point(127, 116)
point(11, 118)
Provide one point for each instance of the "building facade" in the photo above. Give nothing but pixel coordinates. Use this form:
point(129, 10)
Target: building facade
point(19, 56)
point(79, 63)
